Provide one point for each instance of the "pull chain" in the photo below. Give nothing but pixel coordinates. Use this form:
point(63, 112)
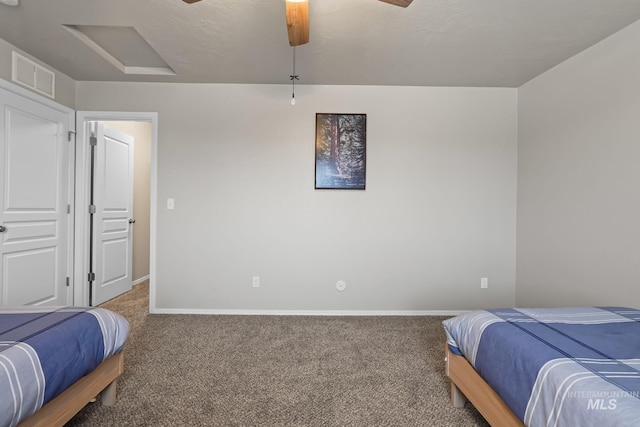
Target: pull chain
point(293, 77)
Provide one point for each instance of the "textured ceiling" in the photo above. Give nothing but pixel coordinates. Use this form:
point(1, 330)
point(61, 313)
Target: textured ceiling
point(493, 43)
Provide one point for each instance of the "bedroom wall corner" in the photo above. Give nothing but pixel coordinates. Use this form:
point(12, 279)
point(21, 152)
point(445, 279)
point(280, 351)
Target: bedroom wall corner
point(578, 234)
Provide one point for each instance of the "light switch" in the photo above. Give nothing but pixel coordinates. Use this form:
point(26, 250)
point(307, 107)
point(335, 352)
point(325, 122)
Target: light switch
point(171, 204)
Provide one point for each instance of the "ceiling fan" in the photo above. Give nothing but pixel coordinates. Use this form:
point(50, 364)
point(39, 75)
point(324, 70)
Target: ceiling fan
point(297, 12)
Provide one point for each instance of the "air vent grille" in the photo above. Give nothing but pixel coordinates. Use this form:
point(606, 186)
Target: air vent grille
point(34, 76)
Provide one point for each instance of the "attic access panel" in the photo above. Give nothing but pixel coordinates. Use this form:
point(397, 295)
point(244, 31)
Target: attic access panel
point(341, 151)
point(123, 47)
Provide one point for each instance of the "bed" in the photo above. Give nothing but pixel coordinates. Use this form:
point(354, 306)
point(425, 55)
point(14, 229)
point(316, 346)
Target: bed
point(54, 360)
point(573, 366)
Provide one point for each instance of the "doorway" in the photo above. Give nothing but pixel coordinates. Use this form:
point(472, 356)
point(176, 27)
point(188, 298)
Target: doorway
point(143, 127)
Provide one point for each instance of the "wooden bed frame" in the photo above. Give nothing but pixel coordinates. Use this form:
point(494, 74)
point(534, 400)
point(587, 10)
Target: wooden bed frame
point(466, 383)
point(61, 409)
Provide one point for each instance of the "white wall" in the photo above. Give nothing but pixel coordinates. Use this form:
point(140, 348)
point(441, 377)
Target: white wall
point(579, 179)
point(438, 212)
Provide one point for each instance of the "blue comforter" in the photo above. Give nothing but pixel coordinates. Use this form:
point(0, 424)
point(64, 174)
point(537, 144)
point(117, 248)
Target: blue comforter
point(44, 350)
point(557, 367)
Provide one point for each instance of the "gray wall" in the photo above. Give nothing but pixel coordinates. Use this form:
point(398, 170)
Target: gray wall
point(438, 212)
point(65, 86)
point(579, 179)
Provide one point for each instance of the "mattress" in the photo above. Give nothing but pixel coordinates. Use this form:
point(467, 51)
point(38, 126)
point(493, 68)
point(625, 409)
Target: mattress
point(44, 350)
point(570, 367)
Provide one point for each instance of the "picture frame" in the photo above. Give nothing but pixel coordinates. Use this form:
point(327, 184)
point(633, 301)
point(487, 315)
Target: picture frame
point(341, 151)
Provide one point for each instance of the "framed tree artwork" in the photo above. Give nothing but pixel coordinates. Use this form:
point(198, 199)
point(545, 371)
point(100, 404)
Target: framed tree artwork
point(341, 151)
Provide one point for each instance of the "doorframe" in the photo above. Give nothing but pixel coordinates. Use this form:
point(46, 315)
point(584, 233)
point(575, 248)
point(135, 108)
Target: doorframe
point(82, 179)
point(71, 199)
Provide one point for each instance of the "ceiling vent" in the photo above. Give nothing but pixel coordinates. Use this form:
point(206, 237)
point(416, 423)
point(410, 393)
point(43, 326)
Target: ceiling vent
point(34, 76)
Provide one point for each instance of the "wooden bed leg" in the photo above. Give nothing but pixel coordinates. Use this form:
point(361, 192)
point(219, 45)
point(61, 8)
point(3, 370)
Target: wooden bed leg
point(62, 408)
point(108, 395)
point(458, 399)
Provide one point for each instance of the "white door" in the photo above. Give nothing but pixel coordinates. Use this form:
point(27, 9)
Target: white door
point(34, 203)
point(111, 259)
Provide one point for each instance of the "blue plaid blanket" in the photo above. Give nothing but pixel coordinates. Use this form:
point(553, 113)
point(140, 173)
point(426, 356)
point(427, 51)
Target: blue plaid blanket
point(44, 350)
point(556, 367)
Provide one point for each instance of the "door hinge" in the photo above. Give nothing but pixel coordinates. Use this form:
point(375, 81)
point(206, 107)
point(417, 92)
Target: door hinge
point(92, 209)
point(71, 132)
point(93, 141)
point(68, 209)
point(68, 280)
point(92, 276)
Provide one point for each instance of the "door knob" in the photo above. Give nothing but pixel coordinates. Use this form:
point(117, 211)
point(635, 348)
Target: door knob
point(132, 221)
point(3, 228)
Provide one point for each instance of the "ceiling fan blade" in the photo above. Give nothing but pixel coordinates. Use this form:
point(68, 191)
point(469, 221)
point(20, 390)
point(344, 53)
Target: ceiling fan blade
point(401, 3)
point(297, 12)
point(190, 1)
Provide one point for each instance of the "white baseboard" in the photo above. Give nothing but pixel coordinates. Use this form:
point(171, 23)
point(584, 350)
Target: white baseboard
point(220, 312)
point(140, 280)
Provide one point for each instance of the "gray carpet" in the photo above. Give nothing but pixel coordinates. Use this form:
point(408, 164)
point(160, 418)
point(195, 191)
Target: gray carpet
point(192, 370)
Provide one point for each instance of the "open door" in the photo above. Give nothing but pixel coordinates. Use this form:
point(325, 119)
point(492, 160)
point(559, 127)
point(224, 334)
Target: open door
point(111, 219)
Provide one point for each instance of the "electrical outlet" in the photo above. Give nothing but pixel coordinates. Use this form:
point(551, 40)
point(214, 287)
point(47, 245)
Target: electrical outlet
point(256, 282)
